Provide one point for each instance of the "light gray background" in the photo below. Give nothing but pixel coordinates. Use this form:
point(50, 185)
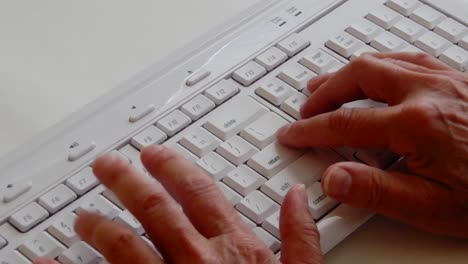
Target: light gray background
point(58, 55)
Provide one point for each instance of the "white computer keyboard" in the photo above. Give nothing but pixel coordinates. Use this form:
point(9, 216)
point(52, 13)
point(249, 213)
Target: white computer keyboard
point(228, 129)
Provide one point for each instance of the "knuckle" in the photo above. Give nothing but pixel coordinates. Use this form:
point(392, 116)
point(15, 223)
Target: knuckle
point(423, 112)
point(122, 241)
point(374, 200)
point(153, 202)
point(422, 57)
point(342, 119)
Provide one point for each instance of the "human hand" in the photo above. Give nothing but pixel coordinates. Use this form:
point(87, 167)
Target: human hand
point(426, 122)
point(205, 230)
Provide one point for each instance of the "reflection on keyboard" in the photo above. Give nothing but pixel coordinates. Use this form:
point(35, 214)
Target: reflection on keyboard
point(232, 136)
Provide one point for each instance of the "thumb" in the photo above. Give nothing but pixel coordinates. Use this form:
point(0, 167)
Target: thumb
point(407, 198)
point(299, 234)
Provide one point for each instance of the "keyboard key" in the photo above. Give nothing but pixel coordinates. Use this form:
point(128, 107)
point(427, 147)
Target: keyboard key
point(57, 198)
point(28, 217)
point(221, 91)
point(216, 166)
point(126, 218)
point(456, 57)
point(257, 207)
point(293, 44)
point(236, 150)
point(83, 181)
point(344, 44)
point(230, 194)
point(404, 7)
point(271, 242)
point(363, 50)
point(272, 224)
point(14, 258)
point(384, 17)
point(271, 58)
point(262, 132)
point(183, 152)
point(319, 61)
point(307, 170)
point(244, 180)
point(199, 141)
point(319, 203)
point(149, 136)
point(273, 159)
point(274, 91)
point(41, 246)
point(432, 43)
point(388, 42)
point(411, 48)
point(139, 114)
point(16, 190)
point(230, 119)
point(80, 253)
point(198, 107)
point(249, 73)
point(174, 122)
point(246, 220)
point(293, 104)
point(133, 156)
point(364, 30)
point(3, 242)
point(336, 68)
point(296, 75)
point(451, 30)
point(112, 197)
point(464, 42)
point(78, 151)
point(99, 204)
point(408, 30)
point(197, 77)
point(427, 16)
point(64, 230)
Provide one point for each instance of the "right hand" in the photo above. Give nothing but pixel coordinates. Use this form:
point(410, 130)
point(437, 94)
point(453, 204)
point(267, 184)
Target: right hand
point(426, 122)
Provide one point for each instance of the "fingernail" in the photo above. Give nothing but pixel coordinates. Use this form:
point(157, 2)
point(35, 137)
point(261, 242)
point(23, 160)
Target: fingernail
point(153, 149)
point(337, 183)
point(283, 130)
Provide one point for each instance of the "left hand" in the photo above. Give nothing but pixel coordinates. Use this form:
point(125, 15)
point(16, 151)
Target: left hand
point(205, 230)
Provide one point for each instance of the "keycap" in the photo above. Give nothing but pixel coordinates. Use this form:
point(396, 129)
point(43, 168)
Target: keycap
point(451, 30)
point(99, 204)
point(126, 218)
point(139, 114)
point(271, 224)
point(80, 253)
point(3, 242)
point(319, 203)
point(273, 159)
point(271, 58)
point(344, 44)
point(236, 150)
point(296, 75)
point(432, 43)
point(16, 190)
point(230, 119)
point(221, 91)
point(14, 257)
point(464, 42)
point(149, 136)
point(408, 30)
point(246, 220)
point(244, 180)
point(112, 197)
point(262, 132)
point(388, 42)
point(78, 151)
point(336, 68)
point(197, 77)
point(41, 246)
point(198, 107)
point(364, 30)
point(384, 17)
point(257, 207)
point(83, 181)
point(293, 44)
point(215, 165)
point(183, 152)
point(307, 170)
point(411, 48)
point(133, 156)
point(271, 242)
point(376, 158)
point(318, 61)
point(64, 231)
point(456, 57)
point(292, 105)
point(404, 7)
point(199, 141)
point(28, 217)
point(57, 198)
point(249, 73)
point(274, 91)
point(230, 194)
point(427, 16)
point(362, 50)
point(174, 122)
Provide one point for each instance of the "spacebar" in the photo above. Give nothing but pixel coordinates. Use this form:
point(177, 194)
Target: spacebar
point(453, 8)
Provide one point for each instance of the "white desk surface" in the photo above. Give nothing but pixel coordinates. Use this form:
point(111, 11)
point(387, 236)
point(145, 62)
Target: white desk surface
point(58, 55)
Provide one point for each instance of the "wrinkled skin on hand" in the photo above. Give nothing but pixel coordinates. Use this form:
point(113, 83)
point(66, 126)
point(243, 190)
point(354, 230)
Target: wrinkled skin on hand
point(426, 122)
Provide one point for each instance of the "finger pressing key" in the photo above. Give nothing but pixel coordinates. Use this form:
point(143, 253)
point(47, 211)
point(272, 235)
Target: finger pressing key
point(157, 211)
point(201, 199)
